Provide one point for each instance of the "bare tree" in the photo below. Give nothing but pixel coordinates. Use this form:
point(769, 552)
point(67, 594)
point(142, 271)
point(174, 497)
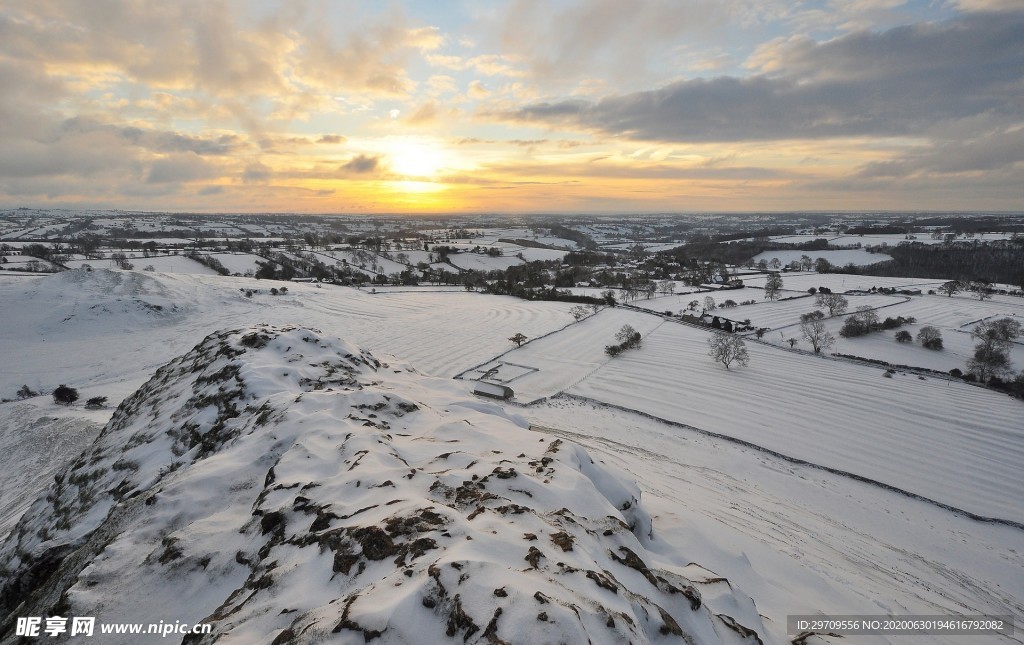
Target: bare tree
point(981, 290)
point(579, 312)
point(992, 353)
point(727, 349)
point(518, 339)
point(930, 337)
point(709, 303)
point(951, 287)
point(815, 333)
point(772, 286)
point(628, 336)
point(834, 302)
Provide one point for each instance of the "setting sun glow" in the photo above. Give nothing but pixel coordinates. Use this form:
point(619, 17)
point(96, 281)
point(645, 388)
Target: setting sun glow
point(415, 158)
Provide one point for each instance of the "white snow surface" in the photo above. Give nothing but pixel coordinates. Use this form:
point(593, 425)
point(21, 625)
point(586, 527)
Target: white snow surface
point(856, 257)
point(103, 328)
point(797, 538)
point(279, 484)
point(161, 263)
point(944, 440)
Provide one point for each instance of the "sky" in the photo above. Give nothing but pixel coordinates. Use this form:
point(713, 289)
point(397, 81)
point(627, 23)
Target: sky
point(518, 106)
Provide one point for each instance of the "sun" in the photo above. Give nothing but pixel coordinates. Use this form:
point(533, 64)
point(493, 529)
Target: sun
point(415, 158)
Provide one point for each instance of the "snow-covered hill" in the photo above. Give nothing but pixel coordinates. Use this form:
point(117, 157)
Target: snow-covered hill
point(282, 486)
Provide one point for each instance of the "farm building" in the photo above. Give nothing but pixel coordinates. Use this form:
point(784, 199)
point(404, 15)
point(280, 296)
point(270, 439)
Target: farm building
point(493, 390)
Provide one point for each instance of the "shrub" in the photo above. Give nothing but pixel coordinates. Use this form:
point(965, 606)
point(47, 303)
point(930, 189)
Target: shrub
point(65, 395)
point(956, 373)
point(897, 322)
point(628, 338)
point(26, 392)
point(863, 322)
point(96, 402)
point(904, 337)
point(852, 327)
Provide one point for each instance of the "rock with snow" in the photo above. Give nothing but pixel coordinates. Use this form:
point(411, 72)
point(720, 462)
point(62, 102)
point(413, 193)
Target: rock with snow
point(283, 486)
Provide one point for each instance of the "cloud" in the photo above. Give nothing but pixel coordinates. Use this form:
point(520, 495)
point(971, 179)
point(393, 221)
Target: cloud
point(92, 153)
point(424, 114)
point(988, 5)
point(477, 90)
point(625, 42)
point(176, 142)
point(257, 173)
point(361, 164)
point(896, 83)
point(441, 84)
point(331, 138)
point(486, 64)
point(1000, 150)
point(184, 167)
point(213, 49)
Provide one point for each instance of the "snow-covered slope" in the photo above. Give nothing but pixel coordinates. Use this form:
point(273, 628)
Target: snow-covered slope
point(109, 330)
point(285, 486)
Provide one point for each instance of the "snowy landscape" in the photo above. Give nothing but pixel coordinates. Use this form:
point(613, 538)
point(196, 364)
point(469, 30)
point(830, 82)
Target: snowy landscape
point(325, 441)
point(512, 322)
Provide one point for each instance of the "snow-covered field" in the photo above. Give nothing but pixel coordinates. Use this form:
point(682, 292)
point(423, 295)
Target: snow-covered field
point(796, 538)
point(161, 263)
point(890, 239)
point(841, 282)
point(954, 317)
point(650, 247)
point(480, 262)
point(383, 265)
point(923, 238)
point(947, 441)
point(960, 310)
point(782, 313)
point(856, 257)
point(685, 295)
point(103, 328)
point(239, 262)
point(564, 359)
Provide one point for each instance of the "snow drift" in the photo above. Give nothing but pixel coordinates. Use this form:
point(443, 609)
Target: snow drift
point(283, 486)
